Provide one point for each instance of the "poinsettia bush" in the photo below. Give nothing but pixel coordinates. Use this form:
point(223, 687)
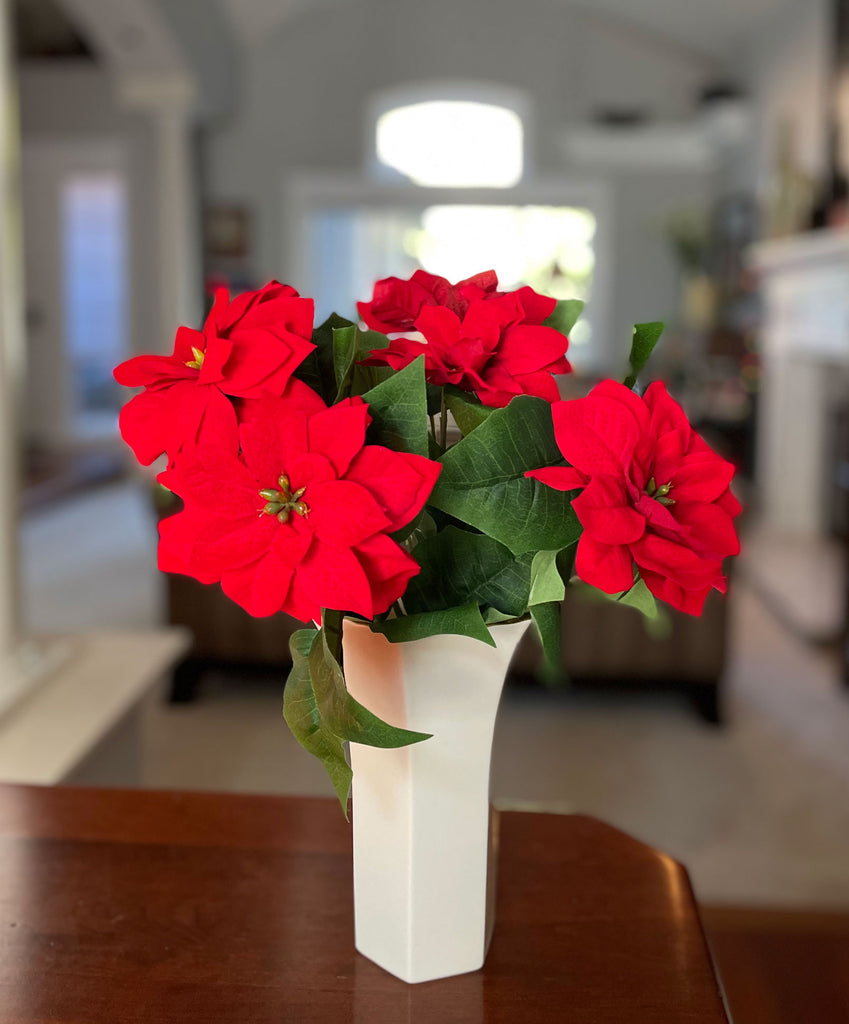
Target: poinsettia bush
point(319, 477)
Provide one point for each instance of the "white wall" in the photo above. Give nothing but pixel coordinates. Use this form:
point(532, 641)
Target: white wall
point(72, 106)
point(306, 89)
point(785, 63)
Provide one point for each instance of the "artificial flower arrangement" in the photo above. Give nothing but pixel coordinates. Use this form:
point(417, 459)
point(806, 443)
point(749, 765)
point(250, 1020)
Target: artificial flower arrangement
point(317, 477)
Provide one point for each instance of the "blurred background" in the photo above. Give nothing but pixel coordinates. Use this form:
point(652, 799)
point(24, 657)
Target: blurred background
point(661, 160)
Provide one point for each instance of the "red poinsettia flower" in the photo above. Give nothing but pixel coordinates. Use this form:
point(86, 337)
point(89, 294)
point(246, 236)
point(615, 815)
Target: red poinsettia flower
point(247, 348)
point(396, 304)
point(298, 517)
point(491, 349)
point(653, 494)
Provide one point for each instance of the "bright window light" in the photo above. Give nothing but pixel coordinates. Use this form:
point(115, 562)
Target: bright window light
point(452, 144)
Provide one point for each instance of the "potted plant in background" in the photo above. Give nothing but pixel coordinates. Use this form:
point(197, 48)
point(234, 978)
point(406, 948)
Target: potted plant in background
point(318, 478)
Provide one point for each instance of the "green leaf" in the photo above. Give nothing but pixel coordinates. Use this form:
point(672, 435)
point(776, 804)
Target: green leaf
point(344, 354)
point(641, 598)
point(323, 716)
point(643, 341)
point(458, 567)
point(548, 621)
point(364, 378)
point(546, 583)
point(344, 715)
point(566, 312)
point(467, 411)
point(492, 616)
point(302, 714)
point(465, 621)
point(483, 480)
point(434, 399)
point(318, 369)
point(398, 408)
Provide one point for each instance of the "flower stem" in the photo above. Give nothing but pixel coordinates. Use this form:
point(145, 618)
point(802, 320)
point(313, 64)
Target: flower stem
point(432, 419)
point(443, 422)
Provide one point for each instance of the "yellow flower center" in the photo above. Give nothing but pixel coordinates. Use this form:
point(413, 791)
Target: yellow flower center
point(197, 362)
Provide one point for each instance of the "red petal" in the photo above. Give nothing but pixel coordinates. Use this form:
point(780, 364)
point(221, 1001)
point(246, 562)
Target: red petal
point(212, 478)
point(299, 604)
point(143, 422)
point(388, 567)
point(339, 432)
point(676, 561)
point(666, 413)
point(689, 601)
point(605, 566)
point(537, 307)
point(526, 349)
point(597, 436)
point(344, 513)
point(712, 532)
point(144, 371)
point(702, 476)
point(400, 482)
point(606, 514)
point(440, 326)
point(261, 588)
point(729, 504)
point(223, 544)
point(561, 478)
point(334, 578)
point(177, 536)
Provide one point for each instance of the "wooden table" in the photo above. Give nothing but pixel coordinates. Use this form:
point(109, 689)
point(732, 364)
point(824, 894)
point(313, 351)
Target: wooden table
point(127, 906)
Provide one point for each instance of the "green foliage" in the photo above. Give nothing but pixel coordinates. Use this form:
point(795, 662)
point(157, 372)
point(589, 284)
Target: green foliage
point(547, 619)
point(566, 312)
point(398, 408)
point(333, 368)
point(302, 714)
point(344, 346)
point(458, 567)
point(483, 481)
point(643, 341)
point(323, 715)
point(546, 582)
point(465, 621)
point(467, 411)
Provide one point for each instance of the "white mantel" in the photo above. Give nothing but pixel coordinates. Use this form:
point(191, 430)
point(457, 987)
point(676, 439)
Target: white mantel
point(805, 352)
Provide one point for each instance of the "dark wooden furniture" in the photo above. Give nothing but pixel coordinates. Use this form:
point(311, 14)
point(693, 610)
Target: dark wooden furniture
point(782, 966)
point(155, 907)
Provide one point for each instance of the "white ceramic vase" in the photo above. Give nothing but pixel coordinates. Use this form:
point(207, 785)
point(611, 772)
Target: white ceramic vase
point(421, 814)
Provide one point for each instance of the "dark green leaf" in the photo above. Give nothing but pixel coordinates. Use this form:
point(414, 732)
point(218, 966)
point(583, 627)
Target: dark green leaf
point(364, 378)
point(344, 354)
point(548, 621)
point(465, 621)
point(301, 711)
point(318, 369)
point(643, 341)
point(458, 567)
point(483, 480)
point(345, 716)
point(398, 408)
point(566, 312)
point(467, 411)
point(434, 399)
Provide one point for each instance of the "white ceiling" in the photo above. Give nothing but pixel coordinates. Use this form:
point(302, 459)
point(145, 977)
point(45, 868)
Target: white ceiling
point(704, 26)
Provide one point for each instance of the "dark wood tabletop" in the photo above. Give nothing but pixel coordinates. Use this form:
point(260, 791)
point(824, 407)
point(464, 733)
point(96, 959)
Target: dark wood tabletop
point(127, 906)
